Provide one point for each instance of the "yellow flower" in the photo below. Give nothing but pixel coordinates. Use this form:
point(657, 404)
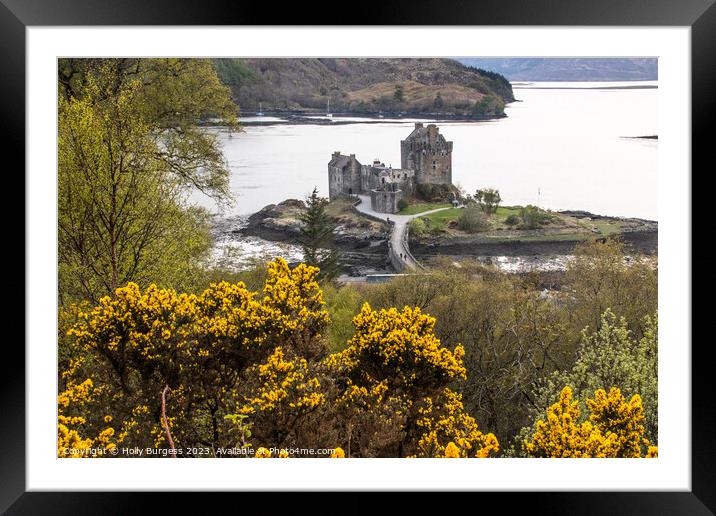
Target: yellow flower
point(614, 429)
point(262, 453)
point(452, 451)
point(338, 453)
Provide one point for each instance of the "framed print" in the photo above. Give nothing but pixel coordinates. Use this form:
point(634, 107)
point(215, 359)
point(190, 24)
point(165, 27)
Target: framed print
point(422, 234)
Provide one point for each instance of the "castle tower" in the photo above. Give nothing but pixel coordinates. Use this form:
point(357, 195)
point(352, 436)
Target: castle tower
point(427, 152)
point(344, 175)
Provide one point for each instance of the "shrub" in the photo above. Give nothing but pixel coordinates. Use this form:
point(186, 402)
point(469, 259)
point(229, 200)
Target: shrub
point(473, 220)
point(512, 220)
point(615, 428)
point(533, 217)
point(488, 199)
point(612, 356)
point(402, 204)
point(417, 227)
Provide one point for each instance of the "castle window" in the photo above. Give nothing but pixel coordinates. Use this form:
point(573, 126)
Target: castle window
point(435, 164)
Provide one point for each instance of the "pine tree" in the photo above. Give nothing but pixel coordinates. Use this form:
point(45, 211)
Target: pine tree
point(317, 237)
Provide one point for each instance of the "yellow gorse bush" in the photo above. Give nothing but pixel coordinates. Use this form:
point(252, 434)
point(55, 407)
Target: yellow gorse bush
point(200, 344)
point(283, 385)
point(69, 441)
point(399, 341)
point(245, 368)
point(615, 428)
point(396, 372)
point(446, 422)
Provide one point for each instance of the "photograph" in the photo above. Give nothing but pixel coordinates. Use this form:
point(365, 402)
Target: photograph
point(357, 257)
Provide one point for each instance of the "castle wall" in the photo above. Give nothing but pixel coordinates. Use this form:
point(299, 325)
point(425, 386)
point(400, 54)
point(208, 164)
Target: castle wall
point(335, 182)
point(344, 176)
point(372, 178)
point(385, 201)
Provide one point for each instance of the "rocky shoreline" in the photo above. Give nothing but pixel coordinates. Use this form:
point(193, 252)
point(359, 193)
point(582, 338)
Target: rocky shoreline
point(642, 241)
point(639, 234)
point(364, 242)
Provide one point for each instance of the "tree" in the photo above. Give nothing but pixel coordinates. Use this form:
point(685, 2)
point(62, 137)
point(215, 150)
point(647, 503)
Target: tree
point(317, 237)
point(488, 199)
point(607, 275)
point(438, 102)
point(614, 428)
point(398, 95)
point(610, 355)
point(171, 96)
point(121, 215)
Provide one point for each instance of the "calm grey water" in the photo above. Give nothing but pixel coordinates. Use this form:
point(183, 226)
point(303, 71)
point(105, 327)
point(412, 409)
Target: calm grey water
point(559, 148)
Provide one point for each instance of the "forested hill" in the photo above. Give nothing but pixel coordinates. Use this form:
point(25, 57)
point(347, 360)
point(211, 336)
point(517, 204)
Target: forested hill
point(365, 85)
point(569, 69)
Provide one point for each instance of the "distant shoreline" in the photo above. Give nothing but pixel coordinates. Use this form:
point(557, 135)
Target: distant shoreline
point(310, 118)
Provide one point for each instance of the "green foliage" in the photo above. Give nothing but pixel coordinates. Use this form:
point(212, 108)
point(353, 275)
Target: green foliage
point(342, 303)
point(430, 192)
point(534, 217)
point(488, 199)
point(438, 102)
point(512, 220)
point(489, 105)
point(607, 357)
point(473, 220)
point(121, 215)
point(600, 277)
point(317, 237)
point(417, 227)
point(403, 204)
point(233, 72)
point(399, 96)
point(511, 336)
point(170, 97)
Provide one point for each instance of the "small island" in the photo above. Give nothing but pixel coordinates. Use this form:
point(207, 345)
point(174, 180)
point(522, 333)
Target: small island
point(397, 219)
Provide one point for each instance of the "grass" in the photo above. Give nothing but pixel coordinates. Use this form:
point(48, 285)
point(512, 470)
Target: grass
point(563, 228)
point(422, 207)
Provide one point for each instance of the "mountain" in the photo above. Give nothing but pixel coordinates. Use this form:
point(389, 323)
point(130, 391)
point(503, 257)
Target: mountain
point(569, 69)
point(365, 85)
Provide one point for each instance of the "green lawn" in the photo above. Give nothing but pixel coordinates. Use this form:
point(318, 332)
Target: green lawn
point(442, 217)
point(437, 222)
point(420, 208)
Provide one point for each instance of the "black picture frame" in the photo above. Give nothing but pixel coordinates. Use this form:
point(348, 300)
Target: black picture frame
point(700, 15)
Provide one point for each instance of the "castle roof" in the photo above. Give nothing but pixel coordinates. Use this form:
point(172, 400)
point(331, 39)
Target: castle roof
point(422, 132)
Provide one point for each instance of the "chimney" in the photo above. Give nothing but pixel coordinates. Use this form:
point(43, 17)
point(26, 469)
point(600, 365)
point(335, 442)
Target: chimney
point(353, 156)
point(418, 125)
point(336, 154)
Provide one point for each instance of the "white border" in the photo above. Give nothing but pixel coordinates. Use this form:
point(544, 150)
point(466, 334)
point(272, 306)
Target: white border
point(670, 471)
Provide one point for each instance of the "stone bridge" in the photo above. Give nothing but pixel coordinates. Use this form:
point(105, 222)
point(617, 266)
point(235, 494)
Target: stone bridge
point(398, 251)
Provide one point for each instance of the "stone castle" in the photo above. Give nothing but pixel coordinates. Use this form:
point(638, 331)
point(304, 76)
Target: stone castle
point(425, 157)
